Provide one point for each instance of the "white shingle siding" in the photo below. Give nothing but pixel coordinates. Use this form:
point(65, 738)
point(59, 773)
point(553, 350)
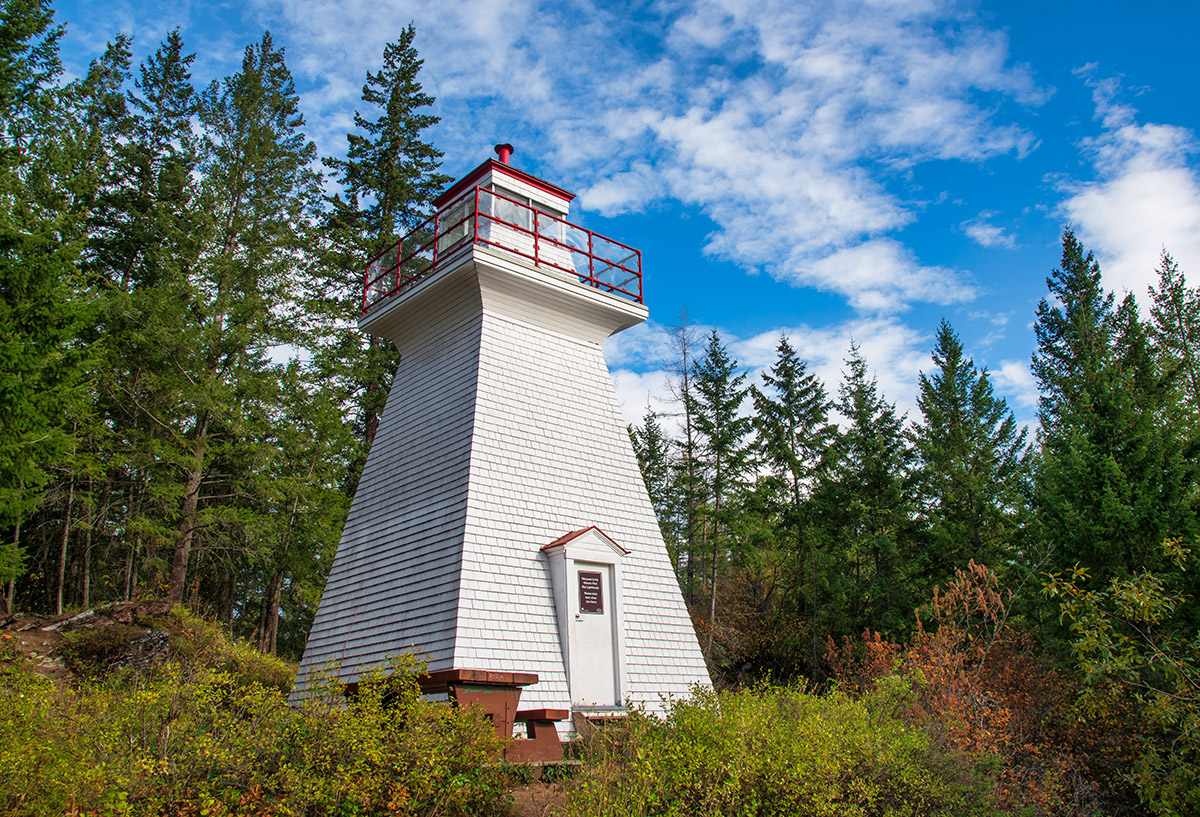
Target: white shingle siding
point(502, 433)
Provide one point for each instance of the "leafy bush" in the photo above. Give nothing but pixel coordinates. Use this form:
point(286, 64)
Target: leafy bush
point(981, 689)
point(198, 736)
point(775, 751)
point(1135, 647)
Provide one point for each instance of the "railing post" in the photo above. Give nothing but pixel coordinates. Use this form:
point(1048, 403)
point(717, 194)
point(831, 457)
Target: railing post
point(475, 218)
point(366, 283)
point(641, 294)
point(536, 238)
point(399, 255)
point(437, 237)
point(591, 261)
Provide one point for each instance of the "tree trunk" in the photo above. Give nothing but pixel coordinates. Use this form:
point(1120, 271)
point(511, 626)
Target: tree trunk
point(270, 614)
point(62, 549)
point(187, 520)
point(10, 595)
point(87, 547)
point(127, 587)
point(87, 567)
point(712, 578)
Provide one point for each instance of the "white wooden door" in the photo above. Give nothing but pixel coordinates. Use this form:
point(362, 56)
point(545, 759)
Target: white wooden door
point(593, 664)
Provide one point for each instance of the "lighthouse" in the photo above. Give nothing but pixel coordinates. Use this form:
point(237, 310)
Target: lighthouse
point(501, 528)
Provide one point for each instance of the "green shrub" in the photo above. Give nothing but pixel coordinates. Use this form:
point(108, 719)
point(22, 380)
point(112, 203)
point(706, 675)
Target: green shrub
point(774, 751)
point(249, 666)
point(190, 738)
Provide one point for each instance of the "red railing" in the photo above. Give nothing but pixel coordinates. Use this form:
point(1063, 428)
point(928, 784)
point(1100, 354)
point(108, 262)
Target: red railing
point(486, 217)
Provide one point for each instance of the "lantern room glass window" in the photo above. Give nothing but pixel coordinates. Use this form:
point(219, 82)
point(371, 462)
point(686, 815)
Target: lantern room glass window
point(456, 221)
point(511, 212)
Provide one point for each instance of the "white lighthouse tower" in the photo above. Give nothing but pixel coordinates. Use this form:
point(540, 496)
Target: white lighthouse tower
point(501, 524)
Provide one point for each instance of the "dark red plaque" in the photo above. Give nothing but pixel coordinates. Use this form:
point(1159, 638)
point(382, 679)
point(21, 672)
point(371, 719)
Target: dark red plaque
point(591, 593)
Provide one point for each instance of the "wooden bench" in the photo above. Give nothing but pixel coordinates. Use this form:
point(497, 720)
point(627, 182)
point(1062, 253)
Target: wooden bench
point(497, 695)
point(541, 741)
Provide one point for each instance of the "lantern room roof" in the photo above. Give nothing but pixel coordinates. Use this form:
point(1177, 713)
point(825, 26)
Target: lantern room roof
point(472, 178)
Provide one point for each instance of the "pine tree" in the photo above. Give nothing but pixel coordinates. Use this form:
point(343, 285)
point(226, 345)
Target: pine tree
point(258, 190)
point(792, 422)
point(865, 510)
point(653, 451)
point(687, 478)
point(298, 502)
point(388, 177)
point(718, 392)
point(1175, 334)
point(144, 225)
point(973, 465)
point(792, 435)
point(38, 313)
point(146, 234)
point(1112, 483)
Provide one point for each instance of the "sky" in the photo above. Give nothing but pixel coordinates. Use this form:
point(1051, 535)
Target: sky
point(835, 172)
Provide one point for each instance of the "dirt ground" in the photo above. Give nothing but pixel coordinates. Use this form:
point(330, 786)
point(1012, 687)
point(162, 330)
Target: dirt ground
point(40, 638)
point(538, 799)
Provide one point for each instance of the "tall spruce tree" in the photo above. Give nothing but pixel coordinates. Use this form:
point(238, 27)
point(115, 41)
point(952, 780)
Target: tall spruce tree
point(258, 191)
point(1112, 483)
point(973, 465)
point(687, 478)
point(717, 394)
point(864, 508)
point(144, 226)
point(388, 178)
point(653, 451)
point(298, 503)
point(1175, 336)
point(147, 234)
point(39, 315)
point(792, 435)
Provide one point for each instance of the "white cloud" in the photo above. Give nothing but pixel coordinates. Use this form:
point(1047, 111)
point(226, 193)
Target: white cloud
point(882, 275)
point(985, 234)
point(1145, 197)
point(1015, 382)
point(894, 352)
point(784, 122)
point(641, 346)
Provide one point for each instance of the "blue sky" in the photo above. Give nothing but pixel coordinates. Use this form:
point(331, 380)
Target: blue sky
point(828, 170)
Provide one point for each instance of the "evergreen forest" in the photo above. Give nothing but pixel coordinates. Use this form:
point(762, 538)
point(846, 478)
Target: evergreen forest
point(186, 405)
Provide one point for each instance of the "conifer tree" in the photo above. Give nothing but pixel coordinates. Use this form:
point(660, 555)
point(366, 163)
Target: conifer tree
point(298, 502)
point(144, 224)
point(973, 465)
point(864, 507)
point(1112, 482)
point(792, 435)
point(388, 178)
point(146, 234)
point(653, 451)
point(38, 313)
point(792, 422)
point(258, 190)
point(718, 392)
point(689, 482)
point(1175, 336)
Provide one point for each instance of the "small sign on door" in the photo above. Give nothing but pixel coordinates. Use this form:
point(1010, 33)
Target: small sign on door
point(591, 593)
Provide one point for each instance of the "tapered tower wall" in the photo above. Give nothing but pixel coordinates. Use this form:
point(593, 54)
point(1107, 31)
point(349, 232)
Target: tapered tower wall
point(394, 584)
